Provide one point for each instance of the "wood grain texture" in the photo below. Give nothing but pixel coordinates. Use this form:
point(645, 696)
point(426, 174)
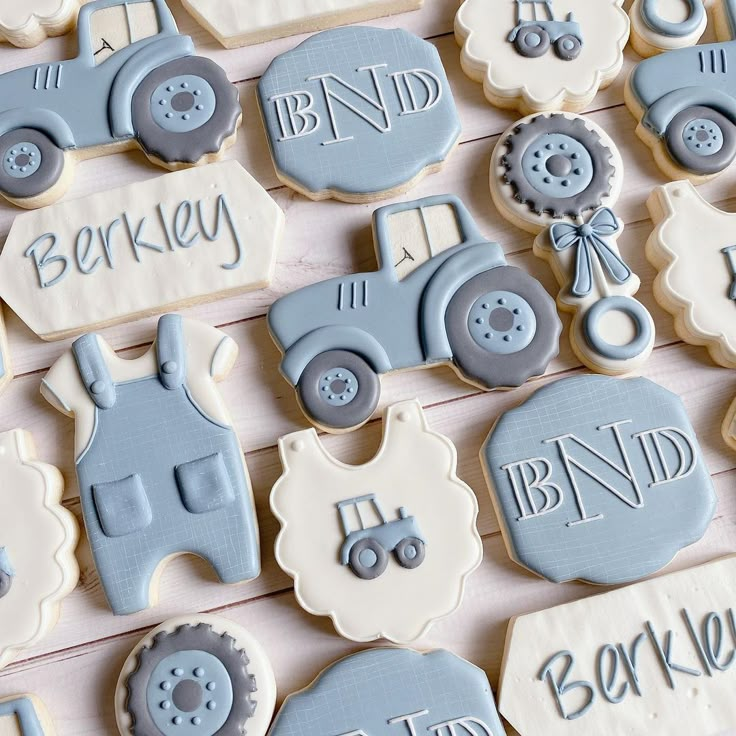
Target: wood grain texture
point(75, 668)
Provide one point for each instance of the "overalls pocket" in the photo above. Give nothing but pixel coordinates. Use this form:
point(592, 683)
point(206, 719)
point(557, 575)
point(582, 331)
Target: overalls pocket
point(122, 506)
point(205, 484)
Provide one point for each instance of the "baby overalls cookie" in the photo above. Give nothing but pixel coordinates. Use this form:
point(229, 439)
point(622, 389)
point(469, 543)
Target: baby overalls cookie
point(25, 715)
point(357, 538)
point(159, 466)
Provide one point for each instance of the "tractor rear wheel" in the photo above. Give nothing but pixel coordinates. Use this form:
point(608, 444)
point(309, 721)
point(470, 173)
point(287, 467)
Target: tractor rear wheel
point(31, 163)
point(409, 553)
point(368, 559)
point(338, 390)
point(503, 328)
point(532, 41)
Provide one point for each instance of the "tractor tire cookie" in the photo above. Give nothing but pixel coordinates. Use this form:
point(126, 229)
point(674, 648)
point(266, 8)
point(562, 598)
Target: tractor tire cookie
point(135, 83)
point(391, 691)
point(664, 25)
point(542, 55)
point(196, 674)
point(598, 479)
point(658, 657)
point(358, 113)
point(146, 499)
point(235, 23)
point(442, 294)
point(38, 537)
point(29, 23)
point(356, 539)
point(696, 285)
point(25, 715)
point(169, 243)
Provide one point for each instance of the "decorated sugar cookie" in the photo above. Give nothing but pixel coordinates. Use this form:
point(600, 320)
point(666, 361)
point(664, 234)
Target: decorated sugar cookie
point(30, 22)
point(598, 479)
point(25, 715)
point(392, 692)
point(358, 113)
point(196, 674)
point(135, 83)
point(38, 536)
point(537, 55)
point(656, 657)
point(235, 23)
point(181, 239)
point(6, 368)
point(358, 538)
point(442, 294)
point(663, 25)
point(159, 466)
point(692, 246)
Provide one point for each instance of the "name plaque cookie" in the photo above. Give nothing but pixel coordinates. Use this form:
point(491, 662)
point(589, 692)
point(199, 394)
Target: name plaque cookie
point(598, 479)
point(358, 113)
point(183, 238)
point(658, 657)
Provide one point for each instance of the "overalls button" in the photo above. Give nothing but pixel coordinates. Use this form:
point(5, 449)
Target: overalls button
point(169, 367)
point(97, 387)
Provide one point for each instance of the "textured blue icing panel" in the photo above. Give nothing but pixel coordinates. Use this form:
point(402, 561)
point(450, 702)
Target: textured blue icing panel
point(599, 479)
point(358, 110)
point(373, 692)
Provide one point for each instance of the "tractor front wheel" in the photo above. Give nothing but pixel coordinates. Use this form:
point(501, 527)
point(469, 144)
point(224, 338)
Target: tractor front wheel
point(32, 164)
point(409, 553)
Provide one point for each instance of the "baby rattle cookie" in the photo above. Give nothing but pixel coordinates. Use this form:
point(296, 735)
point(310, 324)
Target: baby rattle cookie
point(392, 691)
point(136, 82)
point(357, 538)
point(235, 23)
point(598, 479)
point(160, 469)
point(28, 23)
point(540, 55)
point(38, 537)
point(664, 25)
point(196, 675)
point(442, 294)
point(611, 663)
point(358, 113)
point(25, 715)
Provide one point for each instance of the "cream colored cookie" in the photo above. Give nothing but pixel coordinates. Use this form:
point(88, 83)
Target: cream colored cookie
point(362, 541)
point(663, 25)
point(236, 23)
point(196, 674)
point(25, 715)
point(692, 247)
point(181, 239)
point(38, 536)
point(542, 55)
point(27, 23)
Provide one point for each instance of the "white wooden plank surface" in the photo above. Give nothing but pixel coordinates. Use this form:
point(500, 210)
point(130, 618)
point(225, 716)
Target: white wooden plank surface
point(75, 668)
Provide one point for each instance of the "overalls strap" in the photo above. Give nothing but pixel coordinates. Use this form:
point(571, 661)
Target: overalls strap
point(94, 372)
point(172, 366)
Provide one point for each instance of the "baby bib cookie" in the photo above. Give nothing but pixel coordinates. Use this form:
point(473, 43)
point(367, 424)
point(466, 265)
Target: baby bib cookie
point(235, 23)
point(358, 538)
point(25, 715)
point(160, 469)
point(655, 657)
point(196, 674)
point(181, 239)
point(442, 294)
point(392, 692)
point(539, 55)
point(598, 479)
point(38, 537)
point(663, 25)
point(30, 22)
point(358, 113)
point(697, 285)
point(136, 82)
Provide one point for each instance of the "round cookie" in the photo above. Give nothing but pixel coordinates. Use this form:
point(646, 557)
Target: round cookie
point(196, 675)
point(663, 25)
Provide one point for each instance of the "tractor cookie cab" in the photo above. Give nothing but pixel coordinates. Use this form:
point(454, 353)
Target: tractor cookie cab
point(443, 294)
point(135, 81)
point(532, 37)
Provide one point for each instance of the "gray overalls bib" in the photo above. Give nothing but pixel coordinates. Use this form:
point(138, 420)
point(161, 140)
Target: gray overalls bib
point(159, 477)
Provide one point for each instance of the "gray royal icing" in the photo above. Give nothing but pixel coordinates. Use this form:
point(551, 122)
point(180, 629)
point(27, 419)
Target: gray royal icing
point(393, 692)
point(598, 479)
point(654, 21)
point(537, 28)
point(358, 110)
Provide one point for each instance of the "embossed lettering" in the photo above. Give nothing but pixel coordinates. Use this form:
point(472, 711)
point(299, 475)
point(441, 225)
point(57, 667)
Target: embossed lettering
point(466, 723)
point(561, 687)
point(50, 257)
point(429, 86)
point(83, 250)
point(664, 654)
point(629, 657)
point(687, 458)
point(409, 720)
point(609, 659)
point(223, 209)
point(539, 481)
point(296, 117)
point(137, 240)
